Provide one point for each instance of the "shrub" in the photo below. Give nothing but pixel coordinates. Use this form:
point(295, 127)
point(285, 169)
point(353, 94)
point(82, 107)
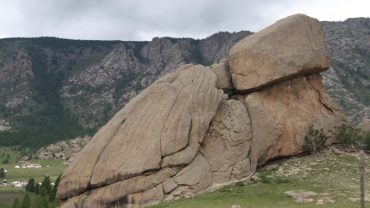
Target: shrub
point(349, 136)
point(15, 203)
point(272, 179)
point(239, 184)
point(26, 202)
point(315, 140)
point(6, 160)
point(263, 178)
point(281, 180)
point(225, 189)
point(366, 140)
point(2, 173)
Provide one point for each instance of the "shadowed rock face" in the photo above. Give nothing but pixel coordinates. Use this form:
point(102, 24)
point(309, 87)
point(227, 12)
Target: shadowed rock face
point(282, 113)
point(184, 134)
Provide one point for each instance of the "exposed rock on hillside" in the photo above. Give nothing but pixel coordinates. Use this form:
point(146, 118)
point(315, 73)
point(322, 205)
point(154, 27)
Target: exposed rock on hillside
point(349, 80)
point(4, 126)
point(63, 150)
point(17, 66)
point(184, 134)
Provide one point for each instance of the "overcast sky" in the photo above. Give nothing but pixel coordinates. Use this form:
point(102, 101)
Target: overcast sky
point(145, 19)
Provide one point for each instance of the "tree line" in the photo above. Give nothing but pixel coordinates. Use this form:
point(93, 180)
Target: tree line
point(43, 195)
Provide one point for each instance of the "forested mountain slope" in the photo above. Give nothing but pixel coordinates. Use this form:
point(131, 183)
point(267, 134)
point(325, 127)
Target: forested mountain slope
point(53, 89)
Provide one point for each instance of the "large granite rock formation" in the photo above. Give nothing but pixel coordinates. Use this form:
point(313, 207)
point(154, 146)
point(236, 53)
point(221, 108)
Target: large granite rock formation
point(200, 126)
point(291, 47)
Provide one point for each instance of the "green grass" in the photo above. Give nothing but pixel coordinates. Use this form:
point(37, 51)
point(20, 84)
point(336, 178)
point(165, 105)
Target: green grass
point(258, 195)
point(8, 194)
point(55, 168)
point(7, 197)
point(51, 168)
point(322, 173)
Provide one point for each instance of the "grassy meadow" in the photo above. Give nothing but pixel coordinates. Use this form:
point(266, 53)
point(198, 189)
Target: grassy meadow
point(51, 168)
point(334, 178)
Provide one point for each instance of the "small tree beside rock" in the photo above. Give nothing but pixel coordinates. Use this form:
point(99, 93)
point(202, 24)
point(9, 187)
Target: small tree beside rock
point(2, 173)
point(314, 141)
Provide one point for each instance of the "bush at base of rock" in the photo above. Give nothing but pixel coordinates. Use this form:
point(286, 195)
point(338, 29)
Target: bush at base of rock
point(349, 136)
point(314, 141)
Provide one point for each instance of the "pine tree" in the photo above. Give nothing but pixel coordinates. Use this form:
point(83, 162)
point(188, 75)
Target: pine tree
point(7, 159)
point(15, 203)
point(52, 196)
point(41, 202)
point(26, 202)
point(30, 185)
point(37, 188)
point(45, 188)
point(2, 173)
point(44, 202)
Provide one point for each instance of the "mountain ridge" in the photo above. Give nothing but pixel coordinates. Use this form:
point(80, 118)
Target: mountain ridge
point(77, 85)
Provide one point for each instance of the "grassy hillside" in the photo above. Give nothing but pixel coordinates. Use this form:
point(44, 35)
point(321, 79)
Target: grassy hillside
point(334, 178)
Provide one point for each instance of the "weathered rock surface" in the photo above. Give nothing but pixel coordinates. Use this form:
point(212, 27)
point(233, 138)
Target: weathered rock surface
point(281, 115)
point(227, 144)
point(291, 47)
point(175, 112)
point(183, 134)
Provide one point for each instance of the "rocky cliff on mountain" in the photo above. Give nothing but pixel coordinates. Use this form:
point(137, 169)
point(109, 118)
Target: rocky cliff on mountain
point(200, 125)
point(63, 150)
point(349, 80)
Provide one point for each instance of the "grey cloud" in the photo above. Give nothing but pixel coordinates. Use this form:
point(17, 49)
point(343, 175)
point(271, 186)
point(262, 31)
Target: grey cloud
point(142, 19)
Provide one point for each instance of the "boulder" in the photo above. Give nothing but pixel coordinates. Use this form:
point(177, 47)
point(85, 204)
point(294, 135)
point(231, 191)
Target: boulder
point(289, 48)
point(184, 134)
